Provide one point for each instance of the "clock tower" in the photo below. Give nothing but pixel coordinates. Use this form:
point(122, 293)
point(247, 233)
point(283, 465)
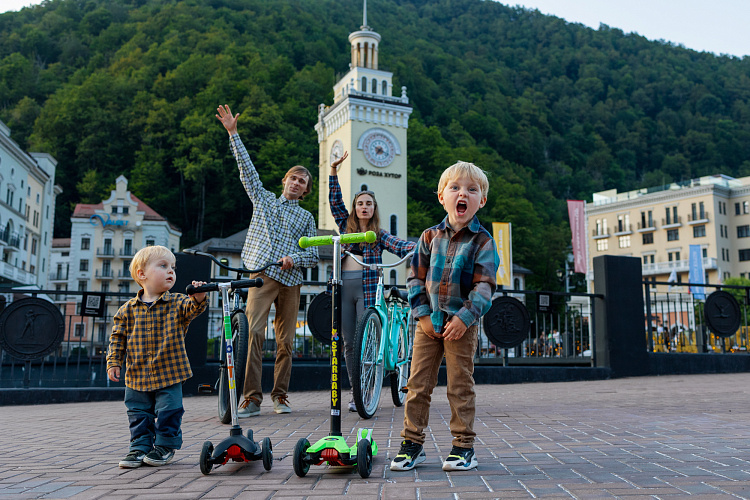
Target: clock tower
point(369, 122)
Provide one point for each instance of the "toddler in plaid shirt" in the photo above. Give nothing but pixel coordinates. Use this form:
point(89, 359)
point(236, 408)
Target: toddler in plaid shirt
point(149, 330)
point(452, 279)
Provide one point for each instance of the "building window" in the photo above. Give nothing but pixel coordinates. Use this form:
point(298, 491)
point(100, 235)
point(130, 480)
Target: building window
point(623, 223)
point(82, 286)
point(364, 84)
point(33, 246)
point(602, 245)
point(114, 209)
point(149, 243)
point(673, 256)
point(704, 252)
point(737, 209)
point(648, 259)
point(315, 274)
point(83, 265)
point(601, 227)
point(105, 286)
point(743, 231)
point(125, 210)
point(222, 271)
point(673, 235)
point(85, 243)
point(647, 219)
point(624, 241)
point(394, 225)
point(394, 277)
point(648, 238)
point(745, 207)
point(699, 231)
point(374, 86)
point(79, 330)
point(384, 87)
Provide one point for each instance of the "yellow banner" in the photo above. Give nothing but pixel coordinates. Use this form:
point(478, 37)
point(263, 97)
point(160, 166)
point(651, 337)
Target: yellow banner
point(502, 234)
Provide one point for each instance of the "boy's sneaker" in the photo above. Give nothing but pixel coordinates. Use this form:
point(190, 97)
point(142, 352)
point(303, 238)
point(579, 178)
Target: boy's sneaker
point(159, 456)
point(461, 459)
point(132, 460)
point(281, 405)
point(249, 408)
point(408, 456)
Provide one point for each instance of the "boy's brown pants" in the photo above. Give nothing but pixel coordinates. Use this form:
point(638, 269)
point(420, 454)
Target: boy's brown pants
point(459, 363)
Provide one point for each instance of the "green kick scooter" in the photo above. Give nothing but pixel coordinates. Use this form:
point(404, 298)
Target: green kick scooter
point(333, 448)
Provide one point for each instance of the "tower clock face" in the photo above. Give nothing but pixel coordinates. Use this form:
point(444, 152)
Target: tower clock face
point(379, 149)
point(337, 150)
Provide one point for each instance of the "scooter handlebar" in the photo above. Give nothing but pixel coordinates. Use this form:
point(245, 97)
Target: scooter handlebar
point(314, 241)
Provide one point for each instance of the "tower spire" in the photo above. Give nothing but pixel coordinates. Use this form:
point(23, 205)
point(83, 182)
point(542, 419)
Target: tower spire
point(364, 17)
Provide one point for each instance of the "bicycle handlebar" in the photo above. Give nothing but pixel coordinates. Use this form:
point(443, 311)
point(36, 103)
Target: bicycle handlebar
point(213, 287)
point(242, 270)
point(379, 266)
point(345, 239)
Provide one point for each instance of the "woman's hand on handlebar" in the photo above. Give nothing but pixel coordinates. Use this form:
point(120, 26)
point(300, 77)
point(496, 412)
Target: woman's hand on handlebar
point(199, 297)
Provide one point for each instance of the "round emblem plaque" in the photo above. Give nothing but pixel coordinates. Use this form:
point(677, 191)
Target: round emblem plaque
point(319, 317)
point(722, 314)
point(507, 322)
point(31, 328)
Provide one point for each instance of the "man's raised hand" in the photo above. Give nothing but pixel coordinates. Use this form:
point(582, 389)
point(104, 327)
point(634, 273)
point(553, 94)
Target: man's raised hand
point(226, 118)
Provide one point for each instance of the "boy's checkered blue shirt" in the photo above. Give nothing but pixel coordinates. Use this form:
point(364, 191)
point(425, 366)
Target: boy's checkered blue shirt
point(453, 273)
point(276, 226)
point(372, 254)
point(153, 338)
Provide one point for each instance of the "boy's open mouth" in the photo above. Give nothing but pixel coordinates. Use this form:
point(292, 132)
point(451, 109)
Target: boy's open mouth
point(461, 208)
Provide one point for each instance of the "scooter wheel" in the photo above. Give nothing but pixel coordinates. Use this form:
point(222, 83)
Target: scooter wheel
point(300, 466)
point(364, 458)
point(267, 454)
point(206, 464)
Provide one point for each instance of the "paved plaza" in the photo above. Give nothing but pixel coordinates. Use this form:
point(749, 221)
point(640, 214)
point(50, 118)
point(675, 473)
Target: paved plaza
point(649, 437)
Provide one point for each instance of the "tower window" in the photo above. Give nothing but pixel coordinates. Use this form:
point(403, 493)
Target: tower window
point(374, 86)
point(394, 225)
point(385, 88)
point(364, 84)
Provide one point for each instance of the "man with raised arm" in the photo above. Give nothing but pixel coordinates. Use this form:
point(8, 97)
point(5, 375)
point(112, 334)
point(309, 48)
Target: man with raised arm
point(276, 227)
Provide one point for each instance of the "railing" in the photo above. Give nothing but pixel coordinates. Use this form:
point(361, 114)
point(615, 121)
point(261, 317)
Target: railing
point(80, 360)
point(674, 221)
point(698, 217)
point(649, 225)
point(106, 251)
point(678, 324)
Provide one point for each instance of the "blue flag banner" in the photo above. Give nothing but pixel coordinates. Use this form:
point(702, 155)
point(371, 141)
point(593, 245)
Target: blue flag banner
point(696, 272)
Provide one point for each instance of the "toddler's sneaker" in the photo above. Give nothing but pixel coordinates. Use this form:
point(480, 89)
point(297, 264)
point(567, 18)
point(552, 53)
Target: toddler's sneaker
point(248, 408)
point(132, 460)
point(461, 459)
point(408, 456)
point(159, 456)
point(281, 405)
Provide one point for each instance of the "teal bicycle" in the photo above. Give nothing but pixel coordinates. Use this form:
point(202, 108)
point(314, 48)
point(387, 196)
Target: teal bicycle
point(382, 344)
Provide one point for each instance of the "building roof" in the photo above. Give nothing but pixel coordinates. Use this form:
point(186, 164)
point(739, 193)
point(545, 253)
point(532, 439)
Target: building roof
point(84, 210)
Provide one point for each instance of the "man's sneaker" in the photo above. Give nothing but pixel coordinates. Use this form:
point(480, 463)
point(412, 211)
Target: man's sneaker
point(408, 456)
point(132, 460)
point(281, 405)
point(460, 459)
point(159, 456)
point(249, 408)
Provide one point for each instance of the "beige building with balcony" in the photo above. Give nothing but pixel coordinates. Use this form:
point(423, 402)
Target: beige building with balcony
point(659, 224)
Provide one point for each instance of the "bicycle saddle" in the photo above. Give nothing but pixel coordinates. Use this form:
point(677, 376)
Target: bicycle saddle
point(395, 294)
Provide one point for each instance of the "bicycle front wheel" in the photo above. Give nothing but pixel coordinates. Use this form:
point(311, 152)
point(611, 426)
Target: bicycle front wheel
point(400, 377)
point(240, 333)
point(367, 371)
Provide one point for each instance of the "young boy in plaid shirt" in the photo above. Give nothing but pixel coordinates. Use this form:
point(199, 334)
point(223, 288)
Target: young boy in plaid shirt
point(150, 330)
point(452, 279)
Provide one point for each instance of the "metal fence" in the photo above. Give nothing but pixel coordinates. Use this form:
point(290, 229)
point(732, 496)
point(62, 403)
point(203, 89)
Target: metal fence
point(561, 334)
point(675, 319)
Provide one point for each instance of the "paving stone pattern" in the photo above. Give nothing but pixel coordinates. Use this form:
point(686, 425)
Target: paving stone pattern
point(649, 437)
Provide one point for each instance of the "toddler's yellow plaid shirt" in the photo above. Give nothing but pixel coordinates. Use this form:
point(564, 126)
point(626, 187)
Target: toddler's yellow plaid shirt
point(153, 337)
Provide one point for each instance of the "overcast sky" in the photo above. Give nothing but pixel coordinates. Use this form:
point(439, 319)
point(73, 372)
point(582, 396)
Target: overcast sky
point(718, 26)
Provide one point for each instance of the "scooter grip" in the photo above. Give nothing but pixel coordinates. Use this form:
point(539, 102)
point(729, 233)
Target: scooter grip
point(208, 287)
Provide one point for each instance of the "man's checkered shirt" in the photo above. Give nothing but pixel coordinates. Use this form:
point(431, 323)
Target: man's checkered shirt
point(276, 226)
point(153, 338)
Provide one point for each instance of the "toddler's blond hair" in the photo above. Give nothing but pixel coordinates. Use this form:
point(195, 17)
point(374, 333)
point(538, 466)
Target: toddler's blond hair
point(464, 169)
point(145, 255)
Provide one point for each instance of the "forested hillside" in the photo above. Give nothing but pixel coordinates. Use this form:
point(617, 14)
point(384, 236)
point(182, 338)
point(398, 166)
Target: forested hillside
point(551, 110)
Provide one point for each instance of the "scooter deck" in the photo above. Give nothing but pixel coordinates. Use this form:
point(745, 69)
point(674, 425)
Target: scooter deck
point(236, 448)
point(335, 451)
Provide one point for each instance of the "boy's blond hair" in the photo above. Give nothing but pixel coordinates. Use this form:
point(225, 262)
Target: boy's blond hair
point(145, 255)
point(464, 169)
